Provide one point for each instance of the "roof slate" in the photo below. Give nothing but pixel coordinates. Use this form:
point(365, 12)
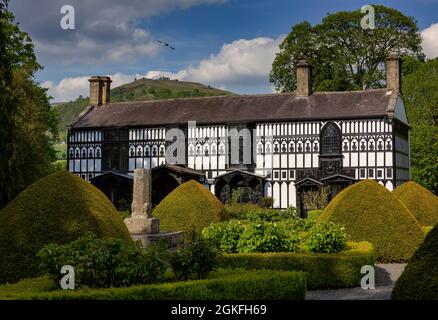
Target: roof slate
point(228, 109)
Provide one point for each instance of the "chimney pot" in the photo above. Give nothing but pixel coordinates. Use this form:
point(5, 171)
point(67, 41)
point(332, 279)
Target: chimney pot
point(393, 72)
point(304, 79)
point(100, 90)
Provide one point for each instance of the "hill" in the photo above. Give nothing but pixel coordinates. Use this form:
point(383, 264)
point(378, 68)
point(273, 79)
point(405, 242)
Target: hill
point(139, 90)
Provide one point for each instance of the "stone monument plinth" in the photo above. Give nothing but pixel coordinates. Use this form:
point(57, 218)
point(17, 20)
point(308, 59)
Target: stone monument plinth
point(141, 225)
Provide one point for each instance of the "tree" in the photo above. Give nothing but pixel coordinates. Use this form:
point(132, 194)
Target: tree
point(345, 56)
point(420, 92)
point(28, 124)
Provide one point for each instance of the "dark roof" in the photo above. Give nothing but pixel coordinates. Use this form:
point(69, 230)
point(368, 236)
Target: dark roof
point(179, 169)
point(225, 109)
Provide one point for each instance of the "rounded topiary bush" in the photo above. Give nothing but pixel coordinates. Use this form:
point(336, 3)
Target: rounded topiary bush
point(369, 212)
point(421, 202)
point(190, 206)
point(419, 280)
point(57, 209)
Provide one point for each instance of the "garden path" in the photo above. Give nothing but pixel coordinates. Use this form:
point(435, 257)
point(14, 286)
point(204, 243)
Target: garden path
point(386, 276)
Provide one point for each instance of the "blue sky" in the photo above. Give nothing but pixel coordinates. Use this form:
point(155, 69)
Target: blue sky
point(229, 44)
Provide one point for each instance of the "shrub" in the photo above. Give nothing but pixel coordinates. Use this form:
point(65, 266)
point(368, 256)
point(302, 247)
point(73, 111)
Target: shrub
point(369, 212)
point(419, 280)
point(323, 270)
point(313, 215)
point(266, 237)
point(421, 202)
point(104, 263)
point(57, 209)
point(190, 206)
point(224, 285)
point(266, 202)
point(224, 236)
point(255, 213)
point(195, 259)
point(317, 199)
point(326, 238)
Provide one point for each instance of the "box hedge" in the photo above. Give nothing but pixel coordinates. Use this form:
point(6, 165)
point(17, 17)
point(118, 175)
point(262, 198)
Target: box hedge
point(225, 285)
point(56, 209)
point(369, 212)
point(190, 206)
point(421, 202)
point(337, 270)
point(419, 280)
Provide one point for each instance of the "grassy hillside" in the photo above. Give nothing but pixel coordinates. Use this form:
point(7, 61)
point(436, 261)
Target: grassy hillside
point(139, 90)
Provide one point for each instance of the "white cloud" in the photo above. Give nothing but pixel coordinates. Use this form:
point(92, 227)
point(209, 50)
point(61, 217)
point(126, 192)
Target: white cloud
point(430, 41)
point(107, 31)
point(241, 66)
point(242, 63)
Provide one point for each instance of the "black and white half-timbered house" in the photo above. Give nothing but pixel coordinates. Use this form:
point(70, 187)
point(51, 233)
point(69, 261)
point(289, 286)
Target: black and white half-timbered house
point(297, 141)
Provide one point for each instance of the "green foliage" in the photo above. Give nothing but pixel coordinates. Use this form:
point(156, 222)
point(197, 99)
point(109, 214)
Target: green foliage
point(28, 125)
point(253, 212)
point(103, 263)
point(57, 209)
point(420, 94)
point(326, 238)
point(266, 202)
point(313, 215)
point(421, 202)
point(267, 237)
point(345, 56)
point(224, 236)
point(369, 212)
point(419, 280)
point(195, 259)
point(224, 285)
point(323, 270)
point(189, 206)
point(316, 199)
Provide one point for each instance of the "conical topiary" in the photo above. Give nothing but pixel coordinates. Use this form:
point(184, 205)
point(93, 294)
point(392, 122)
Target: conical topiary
point(56, 209)
point(369, 212)
point(419, 280)
point(421, 202)
point(190, 206)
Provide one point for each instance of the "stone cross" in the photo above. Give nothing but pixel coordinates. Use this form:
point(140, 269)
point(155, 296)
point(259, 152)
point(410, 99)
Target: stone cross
point(142, 193)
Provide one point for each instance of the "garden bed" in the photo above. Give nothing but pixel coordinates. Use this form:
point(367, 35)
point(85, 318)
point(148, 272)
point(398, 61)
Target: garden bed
point(335, 270)
point(221, 285)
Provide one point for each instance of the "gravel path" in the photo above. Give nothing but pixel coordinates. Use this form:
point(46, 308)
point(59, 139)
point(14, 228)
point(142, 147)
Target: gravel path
point(386, 276)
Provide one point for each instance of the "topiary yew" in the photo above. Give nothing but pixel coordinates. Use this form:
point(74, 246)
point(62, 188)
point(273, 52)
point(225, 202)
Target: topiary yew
point(421, 202)
point(56, 209)
point(190, 206)
point(419, 280)
point(369, 212)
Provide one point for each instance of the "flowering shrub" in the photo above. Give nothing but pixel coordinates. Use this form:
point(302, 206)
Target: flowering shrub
point(326, 238)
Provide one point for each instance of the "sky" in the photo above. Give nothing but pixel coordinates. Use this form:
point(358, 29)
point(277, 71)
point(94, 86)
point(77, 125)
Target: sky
point(228, 44)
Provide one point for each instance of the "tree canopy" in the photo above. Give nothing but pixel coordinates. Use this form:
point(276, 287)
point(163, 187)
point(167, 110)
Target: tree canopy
point(344, 55)
point(28, 125)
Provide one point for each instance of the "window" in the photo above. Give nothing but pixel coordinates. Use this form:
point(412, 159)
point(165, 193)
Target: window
point(389, 173)
point(291, 174)
point(379, 173)
point(363, 173)
point(371, 173)
point(284, 175)
point(115, 150)
point(330, 140)
point(276, 175)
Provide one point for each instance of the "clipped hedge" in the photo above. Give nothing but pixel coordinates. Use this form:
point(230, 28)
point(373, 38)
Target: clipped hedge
point(226, 285)
point(56, 209)
point(190, 206)
point(421, 202)
point(419, 280)
point(369, 212)
point(336, 270)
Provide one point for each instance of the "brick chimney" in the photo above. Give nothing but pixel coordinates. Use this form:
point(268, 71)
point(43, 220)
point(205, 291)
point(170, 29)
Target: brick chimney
point(304, 79)
point(393, 72)
point(100, 89)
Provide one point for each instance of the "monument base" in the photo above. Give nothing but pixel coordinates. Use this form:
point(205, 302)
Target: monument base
point(172, 239)
point(142, 224)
